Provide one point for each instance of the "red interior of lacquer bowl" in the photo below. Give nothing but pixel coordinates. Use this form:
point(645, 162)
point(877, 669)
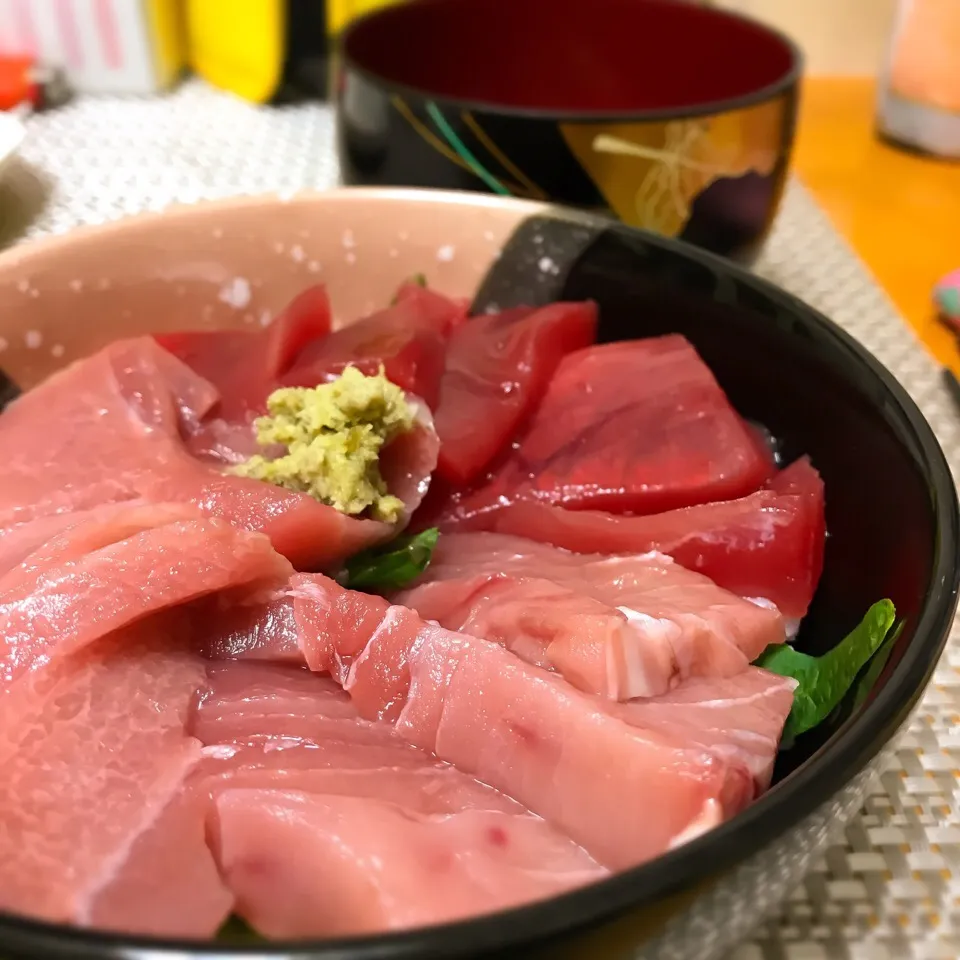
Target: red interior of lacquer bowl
point(571, 55)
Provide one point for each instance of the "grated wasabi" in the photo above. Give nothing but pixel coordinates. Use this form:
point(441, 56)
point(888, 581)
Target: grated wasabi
point(333, 435)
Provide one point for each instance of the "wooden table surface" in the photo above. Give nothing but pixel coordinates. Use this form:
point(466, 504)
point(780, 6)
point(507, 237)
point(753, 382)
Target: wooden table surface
point(899, 211)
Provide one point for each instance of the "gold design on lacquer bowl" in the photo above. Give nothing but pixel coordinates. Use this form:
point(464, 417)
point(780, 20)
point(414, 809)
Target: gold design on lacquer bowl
point(651, 173)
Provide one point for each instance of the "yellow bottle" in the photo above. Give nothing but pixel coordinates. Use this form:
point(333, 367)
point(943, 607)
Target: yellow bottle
point(244, 46)
point(238, 45)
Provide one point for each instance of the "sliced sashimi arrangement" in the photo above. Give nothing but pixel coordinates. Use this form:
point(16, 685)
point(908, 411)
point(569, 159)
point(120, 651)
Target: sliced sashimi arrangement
point(316, 631)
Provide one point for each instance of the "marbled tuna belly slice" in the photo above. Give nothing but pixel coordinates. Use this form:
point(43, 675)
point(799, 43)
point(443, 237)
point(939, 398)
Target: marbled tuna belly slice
point(740, 718)
point(169, 885)
point(623, 626)
point(93, 750)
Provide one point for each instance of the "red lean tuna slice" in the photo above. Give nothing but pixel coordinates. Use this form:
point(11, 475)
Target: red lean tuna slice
point(114, 567)
point(114, 435)
point(497, 370)
point(93, 750)
point(639, 426)
point(408, 339)
point(521, 729)
point(622, 626)
point(305, 864)
point(309, 798)
point(768, 544)
point(245, 365)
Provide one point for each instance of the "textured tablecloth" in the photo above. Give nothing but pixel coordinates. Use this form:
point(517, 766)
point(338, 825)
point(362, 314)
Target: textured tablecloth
point(889, 886)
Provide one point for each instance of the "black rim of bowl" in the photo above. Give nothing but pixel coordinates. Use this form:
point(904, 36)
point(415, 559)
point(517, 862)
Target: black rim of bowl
point(781, 809)
point(707, 108)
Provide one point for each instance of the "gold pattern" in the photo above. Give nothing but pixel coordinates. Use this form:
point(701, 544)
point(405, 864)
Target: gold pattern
point(651, 173)
point(531, 190)
point(401, 107)
point(430, 137)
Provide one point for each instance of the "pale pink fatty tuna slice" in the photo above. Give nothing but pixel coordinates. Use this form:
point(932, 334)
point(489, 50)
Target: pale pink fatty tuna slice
point(306, 864)
point(595, 646)
point(523, 730)
point(533, 735)
point(115, 566)
point(93, 750)
point(739, 718)
point(93, 708)
point(169, 885)
point(325, 823)
point(283, 727)
point(116, 424)
point(623, 627)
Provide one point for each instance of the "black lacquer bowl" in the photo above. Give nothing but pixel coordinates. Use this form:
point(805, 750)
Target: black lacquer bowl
point(891, 504)
point(671, 116)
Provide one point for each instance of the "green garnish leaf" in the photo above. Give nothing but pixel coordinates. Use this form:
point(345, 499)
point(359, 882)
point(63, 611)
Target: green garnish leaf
point(237, 931)
point(420, 279)
point(393, 565)
point(872, 674)
point(824, 681)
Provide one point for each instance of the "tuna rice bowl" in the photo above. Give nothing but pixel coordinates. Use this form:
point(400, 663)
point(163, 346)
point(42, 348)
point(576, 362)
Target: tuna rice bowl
point(315, 630)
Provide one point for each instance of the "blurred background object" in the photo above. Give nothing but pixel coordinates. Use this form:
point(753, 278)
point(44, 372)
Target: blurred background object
point(920, 92)
point(27, 84)
point(238, 45)
point(838, 37)
point(103, 46)
point(270, 50)
point(670, 116)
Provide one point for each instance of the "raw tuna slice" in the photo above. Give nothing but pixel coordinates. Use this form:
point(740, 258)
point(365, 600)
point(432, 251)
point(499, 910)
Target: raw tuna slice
point(593, 645)
point(286, 728)
point(277, 732)
point(497, 370)
point(305, 865)
point(634, 427)
point(250, 625)
point(115, 434)
point(169, 885)
point(768, 544)
point(257, 703)
point(22, 539)
point(116, 566)
point(244, 365)
point(281, 624)
point(409, 339)
point(740, 718)
point(534, 736)
point(523, 730)
point(93, 750)
point(623, 626)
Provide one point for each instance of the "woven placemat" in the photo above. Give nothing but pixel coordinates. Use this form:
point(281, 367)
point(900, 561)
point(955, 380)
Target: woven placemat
point(889, 885)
